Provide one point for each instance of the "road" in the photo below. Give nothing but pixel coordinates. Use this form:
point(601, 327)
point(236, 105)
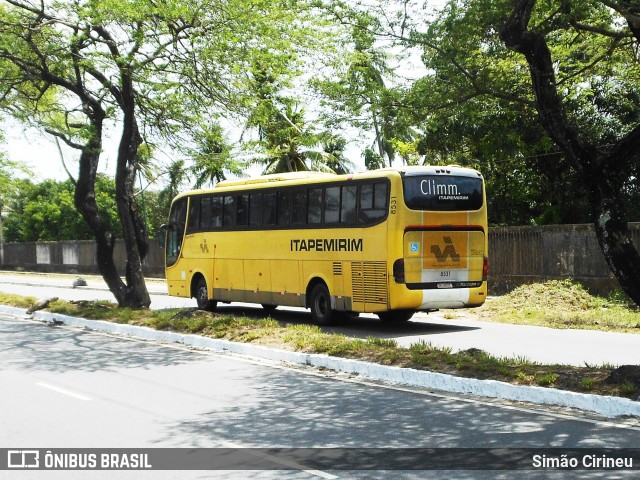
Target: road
point(65, 387)
point(539, 344)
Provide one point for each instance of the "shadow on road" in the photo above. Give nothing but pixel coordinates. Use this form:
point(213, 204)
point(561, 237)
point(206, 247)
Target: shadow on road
point(289, 410)
point(361, 326)
point(35, 347)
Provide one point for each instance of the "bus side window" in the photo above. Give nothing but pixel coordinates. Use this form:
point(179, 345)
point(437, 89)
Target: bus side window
point(332, 205)
point(243, 210)
point(348, 207)
point(229, 211)
point(194, 215)
point(284, 207)
point(314, 215)
point(269, 203)
point(255, 209)
point(299, 207)
point(216, 212)
point(380, 193)
point(205, 213)
point(373, 202)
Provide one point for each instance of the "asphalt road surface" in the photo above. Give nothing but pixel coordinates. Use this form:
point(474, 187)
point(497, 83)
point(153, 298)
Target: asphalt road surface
point(540, 344)
point(70, 388)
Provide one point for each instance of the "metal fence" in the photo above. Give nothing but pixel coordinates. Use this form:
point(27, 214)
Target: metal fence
point(517, 255)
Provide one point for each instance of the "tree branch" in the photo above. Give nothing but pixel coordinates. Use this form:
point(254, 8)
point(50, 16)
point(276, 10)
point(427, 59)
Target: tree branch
point(517, 37)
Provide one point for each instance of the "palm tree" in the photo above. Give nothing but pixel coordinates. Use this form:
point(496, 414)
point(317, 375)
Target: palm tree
point(212, 157)
point(290, 144)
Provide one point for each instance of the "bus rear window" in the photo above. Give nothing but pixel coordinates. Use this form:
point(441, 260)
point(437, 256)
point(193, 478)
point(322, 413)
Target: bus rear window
point(442, 193)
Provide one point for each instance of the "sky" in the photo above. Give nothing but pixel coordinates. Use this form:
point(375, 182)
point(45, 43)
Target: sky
point(39, 152)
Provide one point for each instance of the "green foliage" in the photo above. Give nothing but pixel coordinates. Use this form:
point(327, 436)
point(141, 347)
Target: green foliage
point(357, 89)
point(477, 108)
point(289, 143)
point(628, 388)
point(185, 62)
point(383, 342)
point(546, 379)
point(587, 384)
point(212, 156)
point(46, 211)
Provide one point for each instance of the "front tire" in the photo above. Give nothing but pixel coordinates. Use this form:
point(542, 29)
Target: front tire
point(202, 296)
point(320, 304)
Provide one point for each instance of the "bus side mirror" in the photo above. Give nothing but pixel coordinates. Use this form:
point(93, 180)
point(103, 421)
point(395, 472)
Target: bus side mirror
point(162, 234)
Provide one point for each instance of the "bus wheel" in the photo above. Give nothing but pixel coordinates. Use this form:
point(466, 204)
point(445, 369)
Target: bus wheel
point(269, 308)
point(396, 316)
point(202, 296)
point(320, 304)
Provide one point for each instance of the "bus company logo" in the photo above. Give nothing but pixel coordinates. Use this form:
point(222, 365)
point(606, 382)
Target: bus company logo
point(449, 251)
point(327, 245)
point(444, 191)
point(23, 459)
point(204, 248)
point(431, 187)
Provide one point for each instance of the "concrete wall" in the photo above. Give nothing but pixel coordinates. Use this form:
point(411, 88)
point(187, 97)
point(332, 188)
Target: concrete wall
point(74, 257)
point(517, 255)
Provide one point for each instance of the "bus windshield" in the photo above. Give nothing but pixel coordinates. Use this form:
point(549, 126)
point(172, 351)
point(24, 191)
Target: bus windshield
point(442, 193)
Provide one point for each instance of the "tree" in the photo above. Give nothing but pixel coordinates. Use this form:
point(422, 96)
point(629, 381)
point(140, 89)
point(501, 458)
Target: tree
point(605, 168)
point(152, 67)
point(572, 67)
point(287, 142)
point(212, 156)
point(46, 212)
point(358, 94)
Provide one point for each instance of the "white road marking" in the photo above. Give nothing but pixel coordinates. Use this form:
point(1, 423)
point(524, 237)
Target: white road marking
point(64, 391)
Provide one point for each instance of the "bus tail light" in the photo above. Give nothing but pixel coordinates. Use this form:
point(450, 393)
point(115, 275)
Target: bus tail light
point(398, 270)
point(485, 269)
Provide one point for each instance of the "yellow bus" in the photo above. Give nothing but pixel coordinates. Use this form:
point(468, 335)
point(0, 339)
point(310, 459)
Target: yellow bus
point(391, 242)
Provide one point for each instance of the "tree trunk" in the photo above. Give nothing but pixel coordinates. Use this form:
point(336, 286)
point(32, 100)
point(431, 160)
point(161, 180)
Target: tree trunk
point(133, 227)
point(603, 174)
point(85, 201)
point(614, 238)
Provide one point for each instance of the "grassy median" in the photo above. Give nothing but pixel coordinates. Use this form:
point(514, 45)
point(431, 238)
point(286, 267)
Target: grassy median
point(554, 304)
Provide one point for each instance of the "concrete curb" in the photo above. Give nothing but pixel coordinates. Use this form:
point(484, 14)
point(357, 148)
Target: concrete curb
point(602, 405)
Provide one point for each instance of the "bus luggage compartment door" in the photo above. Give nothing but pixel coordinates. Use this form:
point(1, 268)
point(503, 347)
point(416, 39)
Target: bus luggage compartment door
point(437, 259)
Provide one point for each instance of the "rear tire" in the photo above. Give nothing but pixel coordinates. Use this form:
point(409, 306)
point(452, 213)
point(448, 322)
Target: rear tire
point(202, 296)
point(269, 308)
point(396, 316)
point(320, 304)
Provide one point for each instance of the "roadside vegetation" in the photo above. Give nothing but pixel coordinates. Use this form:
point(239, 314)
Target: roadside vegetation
point(555, 304)
point(563, 304)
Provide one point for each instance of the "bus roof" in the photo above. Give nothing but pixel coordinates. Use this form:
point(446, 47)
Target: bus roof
point(275, 177)
point(310, 175)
